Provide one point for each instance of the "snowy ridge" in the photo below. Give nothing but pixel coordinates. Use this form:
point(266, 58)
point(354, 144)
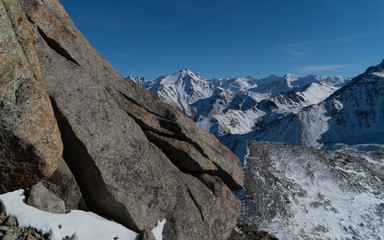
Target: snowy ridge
point(351, 115)
point(140, 80)
point(182, 89)
point(238, 105)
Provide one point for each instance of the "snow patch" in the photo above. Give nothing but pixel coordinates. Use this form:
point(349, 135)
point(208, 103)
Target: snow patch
point(85, 225)
point(158, 230)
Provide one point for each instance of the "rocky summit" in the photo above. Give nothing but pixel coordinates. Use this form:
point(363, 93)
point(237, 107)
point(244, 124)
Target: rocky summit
point(71, 122)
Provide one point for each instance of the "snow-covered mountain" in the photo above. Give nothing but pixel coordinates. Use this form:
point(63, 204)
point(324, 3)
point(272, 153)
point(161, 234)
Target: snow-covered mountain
point(295, 192)
point(300, 193)
point(352, 115)
point(182, 89)
point(140, 80)
point(236, 105)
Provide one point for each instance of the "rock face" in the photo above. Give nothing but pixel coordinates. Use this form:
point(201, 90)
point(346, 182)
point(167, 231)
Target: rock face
point(30, 141)
point(63, 185)
point(299, 193)
point(136, 159)
point(40, 197)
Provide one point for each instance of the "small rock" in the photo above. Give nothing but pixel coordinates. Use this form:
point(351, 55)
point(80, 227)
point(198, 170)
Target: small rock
point(147, 235)
point(69, 238)
point(4, 228)
point(11, 221)
point(40, 197)
point(11, 236)
point(30, 237)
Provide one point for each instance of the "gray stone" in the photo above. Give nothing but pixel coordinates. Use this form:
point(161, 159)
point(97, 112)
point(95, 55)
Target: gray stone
point(147, 235)
point(11, 221)
point(4, 228)
point(41, 198)
point(11, 236)
point(63, 184)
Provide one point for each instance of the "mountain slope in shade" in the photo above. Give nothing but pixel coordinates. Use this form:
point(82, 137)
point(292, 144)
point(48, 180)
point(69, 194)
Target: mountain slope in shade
point(299, 193)
point(352, 115)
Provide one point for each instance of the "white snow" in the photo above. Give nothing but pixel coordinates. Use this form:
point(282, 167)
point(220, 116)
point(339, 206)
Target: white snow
point(85, 225)
point(158, 230)
point(379, 74)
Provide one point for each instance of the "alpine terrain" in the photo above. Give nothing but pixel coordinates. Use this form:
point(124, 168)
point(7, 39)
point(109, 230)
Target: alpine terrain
point(353, 115)
point(329, 190)
point(237, 105)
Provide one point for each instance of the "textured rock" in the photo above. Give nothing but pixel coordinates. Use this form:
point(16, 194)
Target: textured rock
point(246, 231)
point(30, 141)
point(41, 198)
point(147, 235)
point(63, 184)
point(162, 121)
point(136, 159)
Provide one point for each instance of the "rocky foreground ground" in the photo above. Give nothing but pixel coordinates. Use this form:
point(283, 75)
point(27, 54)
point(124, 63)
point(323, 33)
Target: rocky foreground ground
point(9, 229)
point(245, 231)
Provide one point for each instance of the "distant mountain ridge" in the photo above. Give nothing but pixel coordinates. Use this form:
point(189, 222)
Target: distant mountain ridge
point(235, 105)
point(352, 115)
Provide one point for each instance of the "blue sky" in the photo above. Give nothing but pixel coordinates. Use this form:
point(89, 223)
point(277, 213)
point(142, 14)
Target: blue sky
point(230, 38)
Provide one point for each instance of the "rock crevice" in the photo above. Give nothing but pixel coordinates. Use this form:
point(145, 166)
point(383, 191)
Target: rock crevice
point(56, 47)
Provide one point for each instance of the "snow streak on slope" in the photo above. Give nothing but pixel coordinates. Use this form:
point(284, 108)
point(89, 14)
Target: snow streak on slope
point(299, 193)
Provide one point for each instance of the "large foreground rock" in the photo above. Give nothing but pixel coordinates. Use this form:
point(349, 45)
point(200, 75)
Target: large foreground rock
point(136, 159)
point(30, 143)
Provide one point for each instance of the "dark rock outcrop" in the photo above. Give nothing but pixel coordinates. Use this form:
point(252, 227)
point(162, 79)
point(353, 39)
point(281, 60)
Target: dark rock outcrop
point(136, 159)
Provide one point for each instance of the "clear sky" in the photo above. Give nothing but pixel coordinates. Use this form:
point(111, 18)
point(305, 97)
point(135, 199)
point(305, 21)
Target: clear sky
point(229, 38)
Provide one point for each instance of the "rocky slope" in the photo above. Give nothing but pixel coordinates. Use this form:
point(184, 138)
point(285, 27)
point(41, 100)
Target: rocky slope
point(135, 159)
point(300, 193)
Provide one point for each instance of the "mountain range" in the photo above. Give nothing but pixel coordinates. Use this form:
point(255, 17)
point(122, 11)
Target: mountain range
point(237, 105)
point(326, 188)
